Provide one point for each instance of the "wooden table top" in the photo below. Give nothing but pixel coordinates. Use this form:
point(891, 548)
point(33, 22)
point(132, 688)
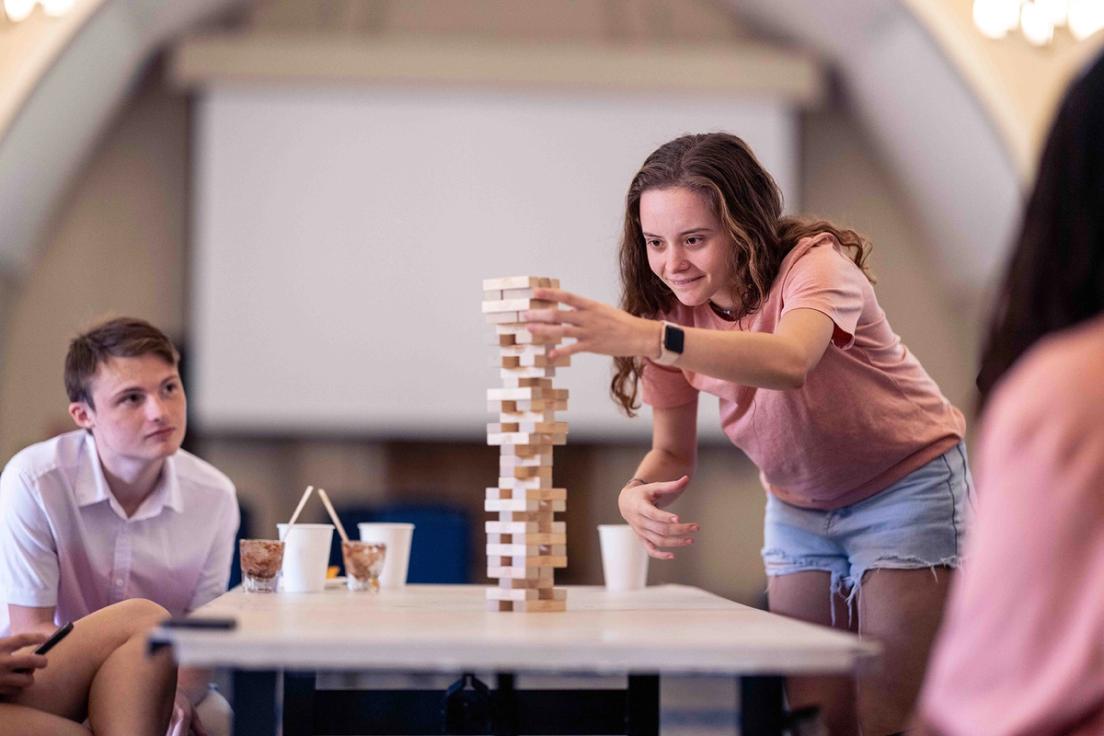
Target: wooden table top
point(446, 628)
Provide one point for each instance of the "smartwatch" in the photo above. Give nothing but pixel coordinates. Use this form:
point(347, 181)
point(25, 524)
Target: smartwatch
point(670, 344)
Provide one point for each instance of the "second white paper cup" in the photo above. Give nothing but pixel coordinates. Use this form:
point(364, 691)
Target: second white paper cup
point(624, 559)
point(396, 560)
point(306, 557)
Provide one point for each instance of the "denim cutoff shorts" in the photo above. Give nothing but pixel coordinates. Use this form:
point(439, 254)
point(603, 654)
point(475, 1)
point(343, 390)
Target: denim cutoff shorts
point(918, 522)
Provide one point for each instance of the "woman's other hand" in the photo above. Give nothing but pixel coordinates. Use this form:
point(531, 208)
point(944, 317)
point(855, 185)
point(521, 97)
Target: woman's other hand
point(642, 504)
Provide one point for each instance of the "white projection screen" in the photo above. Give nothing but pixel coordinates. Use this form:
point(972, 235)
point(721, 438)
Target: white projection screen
point(341, 235)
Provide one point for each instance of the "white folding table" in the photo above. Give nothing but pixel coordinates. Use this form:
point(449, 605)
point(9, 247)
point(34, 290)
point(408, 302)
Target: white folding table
point(281, 640)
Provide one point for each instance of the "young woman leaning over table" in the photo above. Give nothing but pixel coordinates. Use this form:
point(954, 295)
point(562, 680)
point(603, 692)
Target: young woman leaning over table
point(861, 455)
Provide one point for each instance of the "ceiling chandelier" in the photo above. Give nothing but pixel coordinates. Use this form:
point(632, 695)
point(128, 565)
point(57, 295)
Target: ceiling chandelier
point(20, 10)
point(1038, 19)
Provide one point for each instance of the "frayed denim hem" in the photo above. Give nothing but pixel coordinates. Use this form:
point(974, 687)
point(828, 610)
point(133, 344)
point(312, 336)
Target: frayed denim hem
point(849, 587)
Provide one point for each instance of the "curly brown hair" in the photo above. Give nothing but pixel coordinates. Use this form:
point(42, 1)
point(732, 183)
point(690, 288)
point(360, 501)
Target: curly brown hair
point(748, 203)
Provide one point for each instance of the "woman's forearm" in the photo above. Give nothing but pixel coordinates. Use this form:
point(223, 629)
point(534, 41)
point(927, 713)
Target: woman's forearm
point(661, 465)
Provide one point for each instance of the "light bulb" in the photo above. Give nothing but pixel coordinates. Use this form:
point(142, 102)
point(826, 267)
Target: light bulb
point(995, 18)
point(1086, 17)
point(19, 10)
point(56, 8)
point(1035, 24)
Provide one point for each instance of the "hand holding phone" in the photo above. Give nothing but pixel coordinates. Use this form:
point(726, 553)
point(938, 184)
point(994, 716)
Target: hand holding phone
point(60, 633)
point(15, 666)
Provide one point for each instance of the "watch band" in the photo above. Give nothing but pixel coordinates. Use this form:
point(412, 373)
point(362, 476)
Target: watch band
point(670, 344)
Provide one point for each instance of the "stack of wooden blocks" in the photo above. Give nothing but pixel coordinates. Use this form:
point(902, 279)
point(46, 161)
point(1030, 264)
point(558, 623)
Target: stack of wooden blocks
point(524, 545)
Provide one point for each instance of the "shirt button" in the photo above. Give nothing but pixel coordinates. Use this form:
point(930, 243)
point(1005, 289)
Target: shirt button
point(118, 581)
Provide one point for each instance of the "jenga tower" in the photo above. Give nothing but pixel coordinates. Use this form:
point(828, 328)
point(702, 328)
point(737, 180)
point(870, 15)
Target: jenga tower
point(524, 545)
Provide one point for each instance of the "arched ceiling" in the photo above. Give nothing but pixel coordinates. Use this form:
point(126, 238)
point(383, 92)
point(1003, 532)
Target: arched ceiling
point(930, 126)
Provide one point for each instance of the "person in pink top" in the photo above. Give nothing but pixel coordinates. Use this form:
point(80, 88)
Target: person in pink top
point(1021, 652)
point(860, 453)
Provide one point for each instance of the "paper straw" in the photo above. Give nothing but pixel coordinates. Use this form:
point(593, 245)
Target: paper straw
point(298, 510)
point(333, 514)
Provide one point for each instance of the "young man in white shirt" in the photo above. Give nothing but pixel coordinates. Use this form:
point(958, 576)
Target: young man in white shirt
point(116, 510)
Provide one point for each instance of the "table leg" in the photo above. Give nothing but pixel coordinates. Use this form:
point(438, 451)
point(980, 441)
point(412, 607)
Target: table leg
point(762, 710)
point(255, 703)
point(642, 706)
point(298, 710)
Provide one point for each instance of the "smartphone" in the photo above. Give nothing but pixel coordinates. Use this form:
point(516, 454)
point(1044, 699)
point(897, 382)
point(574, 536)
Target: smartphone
point(217, 623)
point(58, 635)
point(61, 633)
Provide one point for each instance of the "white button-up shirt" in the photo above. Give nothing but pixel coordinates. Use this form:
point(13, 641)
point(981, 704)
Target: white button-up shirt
point(65, 540)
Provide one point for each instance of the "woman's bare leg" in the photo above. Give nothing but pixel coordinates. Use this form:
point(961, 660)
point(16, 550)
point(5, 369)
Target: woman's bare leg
point(805, 596)
point(901, 610)
point(19, 720)
point(102, 672)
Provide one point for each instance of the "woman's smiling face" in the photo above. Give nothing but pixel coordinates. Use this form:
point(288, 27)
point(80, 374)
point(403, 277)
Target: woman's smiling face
point(687, 246)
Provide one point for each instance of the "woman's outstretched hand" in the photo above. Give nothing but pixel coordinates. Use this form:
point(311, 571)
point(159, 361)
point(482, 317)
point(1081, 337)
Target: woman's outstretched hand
point(595, 327)
point(642, 507)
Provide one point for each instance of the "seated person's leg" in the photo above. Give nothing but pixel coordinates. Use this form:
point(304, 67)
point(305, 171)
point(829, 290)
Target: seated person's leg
point(102, 672)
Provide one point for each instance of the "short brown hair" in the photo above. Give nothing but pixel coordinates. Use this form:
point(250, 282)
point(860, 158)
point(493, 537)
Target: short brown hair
point(122, 337)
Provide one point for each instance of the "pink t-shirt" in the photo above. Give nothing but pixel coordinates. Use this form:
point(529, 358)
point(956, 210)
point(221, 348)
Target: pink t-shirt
point(868, 414)
point(1021, 651)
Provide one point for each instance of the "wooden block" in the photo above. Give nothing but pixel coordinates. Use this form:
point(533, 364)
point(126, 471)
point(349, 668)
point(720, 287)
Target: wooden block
point(503, 528)
point(523, 336)
point(503, 341)
point(525, 438)
point(513, 415)
point(531, 562)
point(526, 550)
point(529, 405)
point(492, 295)
point(542, 473)
point(526, 406)
point(512, 571)
point(527, 427)
point(531, 361)
point(513, 374)
point(557, 606)
point(528, 388)
point(541, 459)
point(516, 305)
point(498, 318)
point(530, 494)
point(512, 594)
point(517, 293)
point(513, 348)
point(527, 528)
point(515, 282)
point(545, 578)
point(527, 538)
point(523, 505)
point(543, 361)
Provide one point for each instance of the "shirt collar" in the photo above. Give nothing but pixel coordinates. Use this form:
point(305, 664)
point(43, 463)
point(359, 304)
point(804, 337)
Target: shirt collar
point(92, 488)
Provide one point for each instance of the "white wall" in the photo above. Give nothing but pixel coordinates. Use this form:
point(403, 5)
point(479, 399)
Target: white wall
point(346, 231)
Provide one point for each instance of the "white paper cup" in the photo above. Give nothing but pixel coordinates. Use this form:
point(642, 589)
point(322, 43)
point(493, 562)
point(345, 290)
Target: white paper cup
point(306, 557)
point(397, 538)
point(624, 559)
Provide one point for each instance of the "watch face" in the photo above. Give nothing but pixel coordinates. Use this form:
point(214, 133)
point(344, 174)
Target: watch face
point(673, 338)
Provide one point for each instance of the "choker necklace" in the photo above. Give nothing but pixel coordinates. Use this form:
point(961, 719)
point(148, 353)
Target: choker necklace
point(729, 314)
